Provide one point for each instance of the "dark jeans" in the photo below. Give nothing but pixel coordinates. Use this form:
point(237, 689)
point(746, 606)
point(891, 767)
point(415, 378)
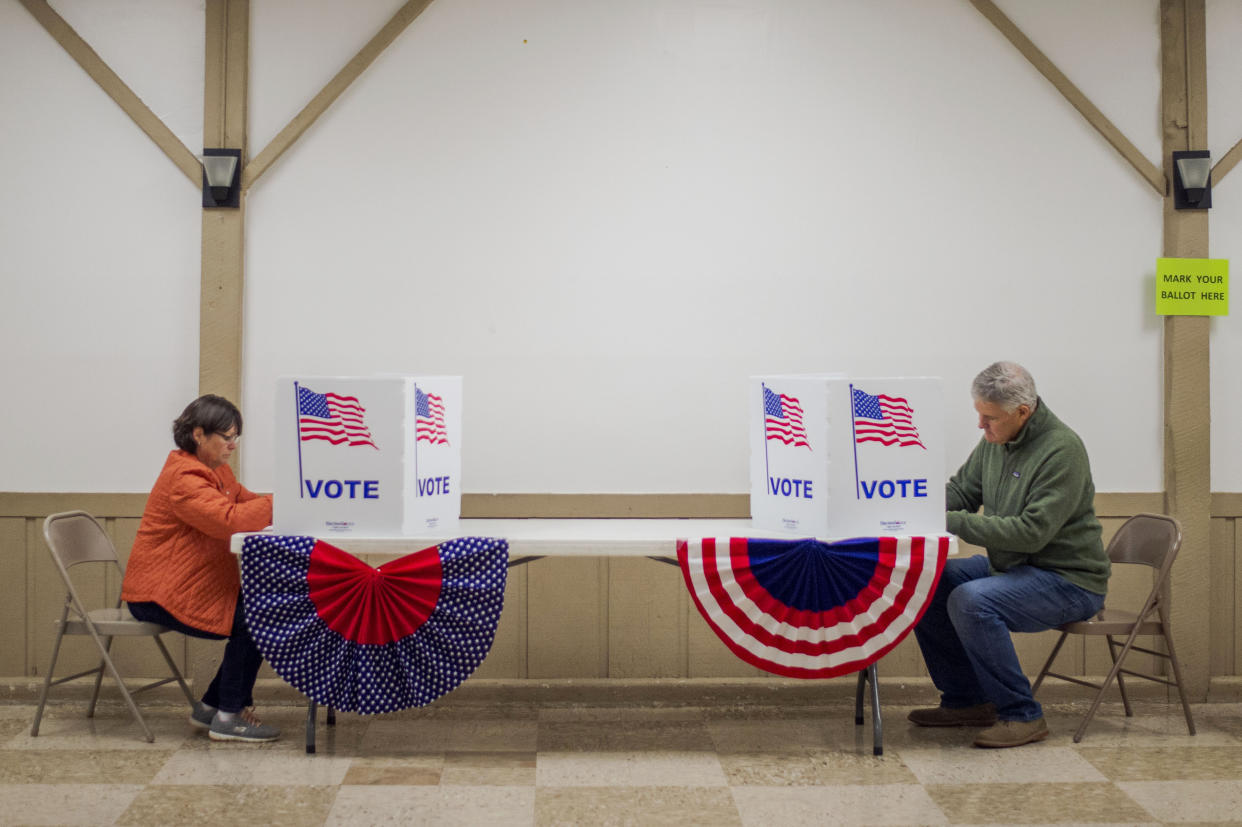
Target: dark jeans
point(232, 687)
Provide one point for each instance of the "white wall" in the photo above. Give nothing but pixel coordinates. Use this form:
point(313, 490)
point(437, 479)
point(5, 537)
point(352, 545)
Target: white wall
point(1224, 32)
point(100, 237)
point(606, 216)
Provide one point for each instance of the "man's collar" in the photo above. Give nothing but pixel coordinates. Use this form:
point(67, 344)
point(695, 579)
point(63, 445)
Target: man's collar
point(1034, 424)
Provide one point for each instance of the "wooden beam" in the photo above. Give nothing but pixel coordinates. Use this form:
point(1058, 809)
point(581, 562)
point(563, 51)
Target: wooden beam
point(115, 88)
point(1150, 172)
point(1227, 162)
point(1187, 378)
point(222, 281)
point(333, 90)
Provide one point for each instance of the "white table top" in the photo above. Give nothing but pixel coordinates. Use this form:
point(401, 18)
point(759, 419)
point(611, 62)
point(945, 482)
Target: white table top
point(568, 537)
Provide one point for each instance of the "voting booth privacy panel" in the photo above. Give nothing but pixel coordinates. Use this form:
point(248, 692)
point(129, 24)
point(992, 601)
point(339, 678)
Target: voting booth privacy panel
point(839, 456)
point(378, 455)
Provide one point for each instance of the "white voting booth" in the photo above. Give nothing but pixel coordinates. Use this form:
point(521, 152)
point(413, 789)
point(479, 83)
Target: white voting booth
point(839, 456)
point(378, 456)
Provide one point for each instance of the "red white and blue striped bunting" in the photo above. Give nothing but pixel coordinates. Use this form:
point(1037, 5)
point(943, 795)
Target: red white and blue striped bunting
point(809, 609)
point(370, 640)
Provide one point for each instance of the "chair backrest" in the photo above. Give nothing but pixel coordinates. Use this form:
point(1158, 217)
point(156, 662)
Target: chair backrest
point(1147, 539)
point(76, 537)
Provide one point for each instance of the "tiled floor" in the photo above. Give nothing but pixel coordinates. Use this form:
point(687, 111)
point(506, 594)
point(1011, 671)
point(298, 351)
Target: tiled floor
point(563, 764)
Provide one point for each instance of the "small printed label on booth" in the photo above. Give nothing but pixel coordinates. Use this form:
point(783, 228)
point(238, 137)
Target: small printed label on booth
point(1192, 286)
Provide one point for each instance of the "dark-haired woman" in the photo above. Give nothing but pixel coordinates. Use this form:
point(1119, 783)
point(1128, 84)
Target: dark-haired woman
point(181, 573)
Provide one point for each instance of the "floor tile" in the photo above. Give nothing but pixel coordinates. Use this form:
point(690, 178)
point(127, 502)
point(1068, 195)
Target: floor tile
point(489, 769)
point(674, 806)
point(1036, 803)
point(65, 804)
point(1182, 802)
point(833, 805)
point(68, 766)
point(71, 729)
point(1169, 763)
point(629, 769)
point(813, 767)
point(10, 727)
point(617, 714)
point(250, 764)
point(501, 806)
point(1030, 763)
point(159, 805)
point(397, 737)
point(625, 735)
point(772, 737)
point(409, 771)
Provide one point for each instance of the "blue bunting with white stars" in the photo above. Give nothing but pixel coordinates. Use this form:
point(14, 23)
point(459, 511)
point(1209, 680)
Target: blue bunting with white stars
point(333, 667)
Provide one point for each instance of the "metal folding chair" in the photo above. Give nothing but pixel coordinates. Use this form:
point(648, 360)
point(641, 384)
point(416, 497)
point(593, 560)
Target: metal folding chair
point(74, 537)
point(1148, 540)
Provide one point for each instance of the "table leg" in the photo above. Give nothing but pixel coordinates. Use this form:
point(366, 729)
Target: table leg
point(311, 709)
point(877, 720)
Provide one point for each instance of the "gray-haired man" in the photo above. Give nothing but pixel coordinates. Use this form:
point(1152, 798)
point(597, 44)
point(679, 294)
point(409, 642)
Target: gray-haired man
point(1045, 562)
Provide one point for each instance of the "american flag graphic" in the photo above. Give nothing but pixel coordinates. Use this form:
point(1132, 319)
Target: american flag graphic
point(885, 419)
point(429, 418)
point(328, 416)
point(782, 416)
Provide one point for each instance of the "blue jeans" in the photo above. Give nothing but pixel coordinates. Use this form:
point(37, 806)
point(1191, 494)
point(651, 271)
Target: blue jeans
point(964, 633)
point(230, 690)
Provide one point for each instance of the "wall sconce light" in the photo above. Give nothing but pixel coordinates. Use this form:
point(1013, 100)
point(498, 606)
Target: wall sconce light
point(221, 178)
point(1192, 179)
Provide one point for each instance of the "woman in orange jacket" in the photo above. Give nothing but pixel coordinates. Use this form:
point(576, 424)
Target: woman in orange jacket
point(181, 573)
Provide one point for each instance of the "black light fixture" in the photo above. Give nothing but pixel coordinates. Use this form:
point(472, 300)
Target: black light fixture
point(221, 177)
point(1192, 179)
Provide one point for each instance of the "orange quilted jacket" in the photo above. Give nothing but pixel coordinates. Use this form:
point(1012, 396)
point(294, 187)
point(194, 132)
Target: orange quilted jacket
point(181, 558)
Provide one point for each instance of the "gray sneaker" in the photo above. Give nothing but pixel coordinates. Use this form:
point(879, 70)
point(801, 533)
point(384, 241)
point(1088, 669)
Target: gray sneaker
point(201, 715)
point(240, 729)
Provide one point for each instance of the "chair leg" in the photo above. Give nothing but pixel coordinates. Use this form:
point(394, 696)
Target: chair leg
point(1048, 663)
point(1177, 676)
point(176, 673)
point(1121, 678)
point(47, 679)
point(1113, 674)
point(90, 710)
point(120, 683)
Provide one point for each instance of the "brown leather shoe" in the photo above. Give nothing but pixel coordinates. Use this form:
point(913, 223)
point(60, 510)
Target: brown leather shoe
point(980, 715)
point(1012, 733)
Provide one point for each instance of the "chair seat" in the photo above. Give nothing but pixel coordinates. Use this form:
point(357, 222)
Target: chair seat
point(1111, 622)
point(114, 623)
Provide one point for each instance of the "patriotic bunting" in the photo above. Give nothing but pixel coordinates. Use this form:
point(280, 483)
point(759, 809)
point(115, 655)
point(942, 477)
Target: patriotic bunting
point(809, 609)
point(371, 640)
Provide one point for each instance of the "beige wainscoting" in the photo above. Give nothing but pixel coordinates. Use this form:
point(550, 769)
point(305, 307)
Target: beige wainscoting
point(564, 617)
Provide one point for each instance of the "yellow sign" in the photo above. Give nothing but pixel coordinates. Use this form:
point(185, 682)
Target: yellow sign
point(1192, 286)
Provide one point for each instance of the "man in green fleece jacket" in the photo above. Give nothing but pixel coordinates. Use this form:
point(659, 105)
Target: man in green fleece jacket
point(1045, 562)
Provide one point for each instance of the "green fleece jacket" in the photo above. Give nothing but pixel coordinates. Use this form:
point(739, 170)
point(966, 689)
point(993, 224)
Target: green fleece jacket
point(1038, 503)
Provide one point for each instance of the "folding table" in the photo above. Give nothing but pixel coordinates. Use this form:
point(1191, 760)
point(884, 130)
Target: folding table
point(533, 539)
